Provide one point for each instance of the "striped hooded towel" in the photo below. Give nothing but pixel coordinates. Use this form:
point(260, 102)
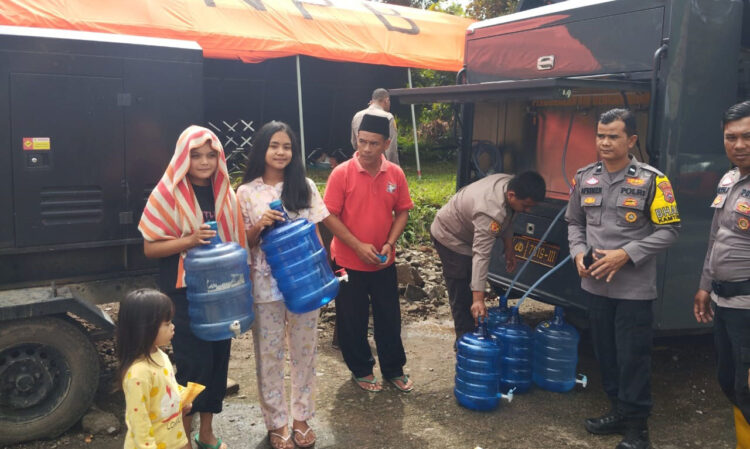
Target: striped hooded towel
point(172, 210)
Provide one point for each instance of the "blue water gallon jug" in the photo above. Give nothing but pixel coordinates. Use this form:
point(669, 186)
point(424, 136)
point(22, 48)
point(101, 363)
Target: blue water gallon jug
point(498, 315)
point(299, 263)
point(556, 354)
point(516, 348)
point(477, 371)
point(219, 292)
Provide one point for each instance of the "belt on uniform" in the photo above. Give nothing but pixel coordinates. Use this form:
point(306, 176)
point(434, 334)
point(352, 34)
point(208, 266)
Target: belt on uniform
point(727, 289)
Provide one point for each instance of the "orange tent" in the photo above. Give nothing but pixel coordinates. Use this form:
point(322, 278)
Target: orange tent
point(256, 30)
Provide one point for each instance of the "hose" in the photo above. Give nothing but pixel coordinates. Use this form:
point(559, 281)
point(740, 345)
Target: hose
point(540, 280)
point(533, 253)
point(554, 220)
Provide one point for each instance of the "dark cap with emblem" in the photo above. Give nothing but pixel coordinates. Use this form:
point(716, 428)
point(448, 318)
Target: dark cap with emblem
point(375, 124)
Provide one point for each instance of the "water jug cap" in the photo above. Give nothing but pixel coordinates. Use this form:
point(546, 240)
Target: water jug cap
point(514, 318)
point(276, 205)
point(559, 315)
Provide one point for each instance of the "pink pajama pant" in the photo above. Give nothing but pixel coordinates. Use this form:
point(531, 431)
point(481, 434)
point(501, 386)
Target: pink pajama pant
point(275, 328)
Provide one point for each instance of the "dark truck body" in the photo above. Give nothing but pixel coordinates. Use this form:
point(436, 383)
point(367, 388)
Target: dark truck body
point(535, 82)
point(87, 125)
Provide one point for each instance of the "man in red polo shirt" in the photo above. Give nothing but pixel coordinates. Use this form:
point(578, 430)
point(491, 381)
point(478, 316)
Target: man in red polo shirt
point(369, 202)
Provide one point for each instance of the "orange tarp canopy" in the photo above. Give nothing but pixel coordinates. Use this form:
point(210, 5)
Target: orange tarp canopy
point(256, 30)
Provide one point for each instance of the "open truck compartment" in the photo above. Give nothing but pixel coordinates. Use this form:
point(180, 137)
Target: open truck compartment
point(535, 83)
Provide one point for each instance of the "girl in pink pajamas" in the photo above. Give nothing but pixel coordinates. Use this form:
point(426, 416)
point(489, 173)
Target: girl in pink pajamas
point(275, 171)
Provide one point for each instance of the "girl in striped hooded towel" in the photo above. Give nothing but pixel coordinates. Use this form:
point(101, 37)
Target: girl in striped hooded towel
point(195, 188)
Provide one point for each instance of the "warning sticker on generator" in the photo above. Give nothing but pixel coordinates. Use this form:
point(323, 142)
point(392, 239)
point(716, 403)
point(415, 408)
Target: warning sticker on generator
point(36, 143)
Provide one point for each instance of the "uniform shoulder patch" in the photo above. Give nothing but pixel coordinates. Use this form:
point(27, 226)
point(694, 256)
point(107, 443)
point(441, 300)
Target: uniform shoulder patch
point(664, 204)
point(652, 170)
point(586, 167)
point(495, 227)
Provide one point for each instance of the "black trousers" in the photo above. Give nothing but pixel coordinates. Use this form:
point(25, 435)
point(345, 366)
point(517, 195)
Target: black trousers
point(379, 288)
point(732, 339)
point(621, 331)
point(457, 274)
point(199, 361)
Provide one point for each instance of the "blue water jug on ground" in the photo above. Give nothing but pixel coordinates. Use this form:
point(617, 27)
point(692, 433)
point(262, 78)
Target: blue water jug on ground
point(477, 371)
point(556, 355)
point(498, 315)
point(299, 263)
point(219, 292)
point(516, 347)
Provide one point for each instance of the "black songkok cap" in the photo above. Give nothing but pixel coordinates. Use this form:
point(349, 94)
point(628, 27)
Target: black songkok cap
point(376, 124)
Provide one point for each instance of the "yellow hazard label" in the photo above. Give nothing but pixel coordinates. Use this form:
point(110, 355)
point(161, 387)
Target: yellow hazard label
point(36, 143)
point(664, 205)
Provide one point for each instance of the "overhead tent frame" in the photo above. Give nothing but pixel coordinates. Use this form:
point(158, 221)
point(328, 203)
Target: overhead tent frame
point(337, 30)
point(544, 88)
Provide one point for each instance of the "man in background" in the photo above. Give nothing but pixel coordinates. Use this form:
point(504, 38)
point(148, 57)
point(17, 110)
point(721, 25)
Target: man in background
point(380, 104)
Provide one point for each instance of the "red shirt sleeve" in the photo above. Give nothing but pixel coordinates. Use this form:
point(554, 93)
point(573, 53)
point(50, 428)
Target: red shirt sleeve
point(404, 199)
point(334, 194)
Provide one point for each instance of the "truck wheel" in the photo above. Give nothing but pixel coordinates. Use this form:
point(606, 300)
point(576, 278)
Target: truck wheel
point(49, 373)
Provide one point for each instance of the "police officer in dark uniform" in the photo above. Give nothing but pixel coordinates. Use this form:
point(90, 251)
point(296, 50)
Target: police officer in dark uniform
point(726, 271)
point(625, 212)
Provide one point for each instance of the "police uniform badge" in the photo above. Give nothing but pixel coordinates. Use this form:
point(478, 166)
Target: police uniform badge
point(743, 223)
point(635, 181)
point(743, 207)
point(495, 227)
point(631, 217)
point(664, 205)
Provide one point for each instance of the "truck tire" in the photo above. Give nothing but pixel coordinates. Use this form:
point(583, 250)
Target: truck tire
point(49, 373)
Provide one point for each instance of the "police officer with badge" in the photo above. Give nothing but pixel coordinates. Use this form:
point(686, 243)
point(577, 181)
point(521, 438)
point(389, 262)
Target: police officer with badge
point(465, 230)
point(726, 271)
point(621, 214)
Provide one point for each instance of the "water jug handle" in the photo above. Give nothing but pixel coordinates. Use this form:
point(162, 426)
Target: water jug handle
point(508, 396)
point(343, 276)
point(235, 328)
point(582, 379)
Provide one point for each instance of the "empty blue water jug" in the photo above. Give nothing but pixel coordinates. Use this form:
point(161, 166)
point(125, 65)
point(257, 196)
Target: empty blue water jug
point(498, 315)
point(299, 263)
point(219, 292)
point(516, 347)
point(556, 354)
point(477, 371)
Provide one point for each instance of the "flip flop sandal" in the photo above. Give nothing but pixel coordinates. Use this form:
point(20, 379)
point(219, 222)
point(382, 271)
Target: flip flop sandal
point(300, 442)
point(202, 445)
point(373, 381)
point(279, 445)
point(405, 380)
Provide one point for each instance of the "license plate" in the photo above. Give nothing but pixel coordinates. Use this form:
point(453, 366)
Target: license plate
point(546, 254)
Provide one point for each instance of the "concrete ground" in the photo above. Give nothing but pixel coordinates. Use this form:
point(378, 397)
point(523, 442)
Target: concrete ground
point(689, 412)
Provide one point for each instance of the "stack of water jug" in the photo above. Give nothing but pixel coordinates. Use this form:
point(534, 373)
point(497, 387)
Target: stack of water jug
point(504, 356)
point(219, 291)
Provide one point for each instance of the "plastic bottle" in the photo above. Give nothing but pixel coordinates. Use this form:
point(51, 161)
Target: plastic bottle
point(219, 291)
point(556, 354)
point(516, 347)
point(299, 263)
point(477, 371)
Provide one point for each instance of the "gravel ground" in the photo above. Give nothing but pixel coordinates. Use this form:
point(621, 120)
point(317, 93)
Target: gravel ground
point(690, 410)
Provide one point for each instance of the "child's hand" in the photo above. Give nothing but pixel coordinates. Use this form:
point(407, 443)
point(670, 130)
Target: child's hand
point(186, 408)
point(201, 236)
point(269, 217)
